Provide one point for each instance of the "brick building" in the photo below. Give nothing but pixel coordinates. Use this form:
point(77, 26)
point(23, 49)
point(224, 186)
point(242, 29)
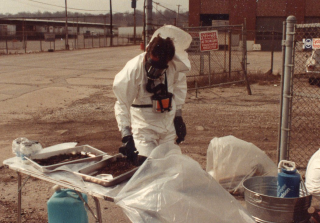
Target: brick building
point(261, 15)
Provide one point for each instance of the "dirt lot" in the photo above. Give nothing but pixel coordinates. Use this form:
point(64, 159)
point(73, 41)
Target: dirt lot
point(67, 97)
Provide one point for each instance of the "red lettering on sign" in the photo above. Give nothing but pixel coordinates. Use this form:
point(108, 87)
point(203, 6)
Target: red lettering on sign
point(316, 43)
point(194, 34)
point(209, 40)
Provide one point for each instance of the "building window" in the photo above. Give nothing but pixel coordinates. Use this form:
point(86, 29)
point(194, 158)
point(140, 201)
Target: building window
point(206, 19)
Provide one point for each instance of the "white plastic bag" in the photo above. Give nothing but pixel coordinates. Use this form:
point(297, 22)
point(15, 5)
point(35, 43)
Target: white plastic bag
point(313, 175)
point(313, 62)
point(171, 187)
point(24, 147)
point(29, 148)
point(16, 144)
point(231, 161)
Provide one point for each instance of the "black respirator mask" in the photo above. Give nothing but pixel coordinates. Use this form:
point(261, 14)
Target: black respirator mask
point(155, 69)
point(161, 98)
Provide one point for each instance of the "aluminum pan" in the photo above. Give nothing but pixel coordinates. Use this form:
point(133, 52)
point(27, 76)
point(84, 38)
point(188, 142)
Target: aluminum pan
point(85, 148)
point(88, 171)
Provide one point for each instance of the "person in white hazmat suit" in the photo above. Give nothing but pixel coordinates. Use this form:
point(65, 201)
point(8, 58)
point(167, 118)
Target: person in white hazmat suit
point(150, 91)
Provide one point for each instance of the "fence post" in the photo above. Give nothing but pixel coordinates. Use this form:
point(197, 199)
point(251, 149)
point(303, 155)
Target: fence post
point(229, 48)
point(244, 43)
point(209, 59)
point(284, 134)
point(7, 43)
point(244, 56)
point(225, 51)
point(25, 44)
point(201, 64)
point(272, 50)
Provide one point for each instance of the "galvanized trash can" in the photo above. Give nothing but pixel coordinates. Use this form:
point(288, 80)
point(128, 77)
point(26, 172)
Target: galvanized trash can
point(260, 194)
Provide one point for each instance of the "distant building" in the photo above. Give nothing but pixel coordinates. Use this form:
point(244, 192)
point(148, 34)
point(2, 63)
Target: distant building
point(260, 15)
point(35, 28)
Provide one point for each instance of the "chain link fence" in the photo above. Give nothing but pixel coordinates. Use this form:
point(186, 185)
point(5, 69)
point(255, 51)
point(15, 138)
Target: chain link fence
point(304, 106)
point(27, 42)
point(226, 65)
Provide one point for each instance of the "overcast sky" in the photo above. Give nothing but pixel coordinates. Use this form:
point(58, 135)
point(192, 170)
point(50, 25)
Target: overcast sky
point(86, 6)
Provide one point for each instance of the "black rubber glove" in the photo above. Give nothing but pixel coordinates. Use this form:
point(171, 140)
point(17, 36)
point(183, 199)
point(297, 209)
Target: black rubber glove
point(180, 127)
point(128, 148)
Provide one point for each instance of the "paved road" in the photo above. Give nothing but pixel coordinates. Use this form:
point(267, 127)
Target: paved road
point(29, 81)
point(33, 82)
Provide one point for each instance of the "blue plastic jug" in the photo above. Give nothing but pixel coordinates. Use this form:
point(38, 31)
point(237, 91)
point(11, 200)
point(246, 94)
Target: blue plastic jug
point(65, 206)
point(288, 185)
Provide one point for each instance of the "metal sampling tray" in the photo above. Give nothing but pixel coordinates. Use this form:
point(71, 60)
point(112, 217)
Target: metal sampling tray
point(97, 155)
point(88, 172)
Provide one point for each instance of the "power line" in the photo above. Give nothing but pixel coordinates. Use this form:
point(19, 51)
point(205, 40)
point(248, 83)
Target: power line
point(164, 7)
point(87, 10)
point(161, 13)
point(157, 3)
point(172, 4)
point(32, 5)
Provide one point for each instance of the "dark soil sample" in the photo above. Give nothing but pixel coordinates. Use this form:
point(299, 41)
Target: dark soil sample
point(61, 158)
point(120, 166)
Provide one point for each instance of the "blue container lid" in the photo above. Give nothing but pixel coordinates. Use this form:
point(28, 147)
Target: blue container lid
point(289, 171)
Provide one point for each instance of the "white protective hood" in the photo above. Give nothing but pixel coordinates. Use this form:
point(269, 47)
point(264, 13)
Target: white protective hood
point(181, 40)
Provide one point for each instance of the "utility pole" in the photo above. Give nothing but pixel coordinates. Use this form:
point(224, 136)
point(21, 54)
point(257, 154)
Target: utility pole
point(144, 26)
point(66, 27)
point(134, 5)
point(178, 15)
point(134, 24)
point(157, 4)
point(111, 23)
point(149, 21)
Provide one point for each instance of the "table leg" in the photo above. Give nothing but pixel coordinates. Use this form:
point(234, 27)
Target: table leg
point(98, 209)
point(19, 198)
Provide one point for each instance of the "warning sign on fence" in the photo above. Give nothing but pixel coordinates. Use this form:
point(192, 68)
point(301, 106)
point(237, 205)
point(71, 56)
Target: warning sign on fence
point(315, 43)
point(195, 44)
point(209, 40)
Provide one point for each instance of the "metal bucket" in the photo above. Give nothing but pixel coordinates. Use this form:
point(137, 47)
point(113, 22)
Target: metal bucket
point(260, 194)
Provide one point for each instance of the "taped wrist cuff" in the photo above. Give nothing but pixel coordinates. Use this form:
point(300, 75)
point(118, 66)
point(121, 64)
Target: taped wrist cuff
point(178, 113)
point(125, 131)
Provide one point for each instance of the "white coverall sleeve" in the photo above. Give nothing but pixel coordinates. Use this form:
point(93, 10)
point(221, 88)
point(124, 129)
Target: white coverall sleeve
point(180, 89)
point(125, 88)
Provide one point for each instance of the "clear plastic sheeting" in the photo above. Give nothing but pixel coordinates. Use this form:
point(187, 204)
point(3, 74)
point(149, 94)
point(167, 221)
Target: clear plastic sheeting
point(313, 175)
point(58, 147)
point(171, 187)
point(231, 161)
